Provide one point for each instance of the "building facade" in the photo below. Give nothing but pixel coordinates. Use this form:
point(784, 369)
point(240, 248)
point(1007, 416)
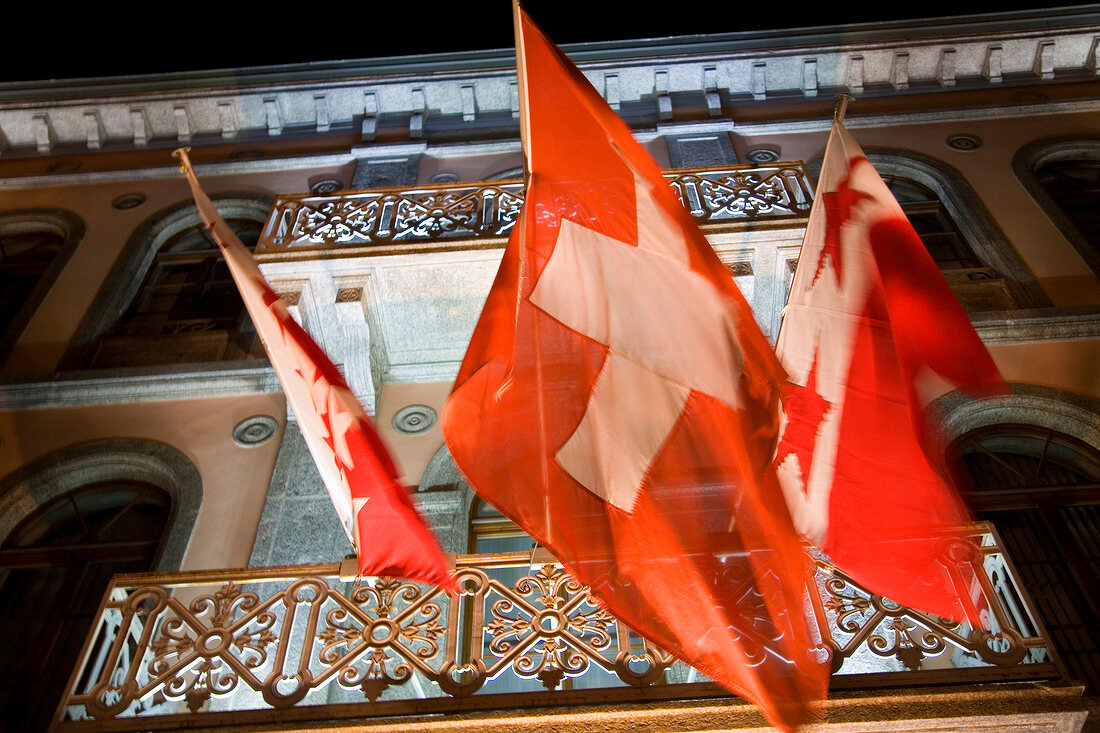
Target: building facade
point(141, 428)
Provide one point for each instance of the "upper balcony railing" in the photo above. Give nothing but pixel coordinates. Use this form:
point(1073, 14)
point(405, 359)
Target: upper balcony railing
point(489, 209)
point(298, 644)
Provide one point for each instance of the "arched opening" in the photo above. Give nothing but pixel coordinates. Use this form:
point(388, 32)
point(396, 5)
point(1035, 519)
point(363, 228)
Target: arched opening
point(1041, 490)
point(933, 223)
point(1063, 177)
point(187, 307)
point(980, 264)
point(170, 298)
point(188, 287)
point(54, 569)
point(24, 258)
point(491, 531)
point(1074, 185)
point(35, 246)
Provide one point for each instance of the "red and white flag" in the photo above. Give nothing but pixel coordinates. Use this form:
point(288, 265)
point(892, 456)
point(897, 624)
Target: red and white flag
point(380, 519)
point(871, 334)
point(619, 403)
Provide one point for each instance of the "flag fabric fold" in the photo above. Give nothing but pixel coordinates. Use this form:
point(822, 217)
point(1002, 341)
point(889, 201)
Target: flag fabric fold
point(871, 334)
point(618, 402)
point(380, 519)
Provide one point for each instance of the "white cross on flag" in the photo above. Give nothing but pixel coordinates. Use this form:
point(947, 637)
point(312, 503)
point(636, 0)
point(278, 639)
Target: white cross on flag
point(379, 517)
point(619, 403)
point(872, 333)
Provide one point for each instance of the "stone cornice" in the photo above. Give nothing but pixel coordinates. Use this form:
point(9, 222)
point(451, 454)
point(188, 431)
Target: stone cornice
point(477, 90)
point(753, 42)
point(1040, 324)
point(83, 389)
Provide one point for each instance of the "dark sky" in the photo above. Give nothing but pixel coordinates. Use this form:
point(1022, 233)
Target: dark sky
point(117, 40)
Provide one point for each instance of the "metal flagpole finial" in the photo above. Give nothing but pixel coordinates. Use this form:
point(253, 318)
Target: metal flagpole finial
point(841, 106)
point(180, 154)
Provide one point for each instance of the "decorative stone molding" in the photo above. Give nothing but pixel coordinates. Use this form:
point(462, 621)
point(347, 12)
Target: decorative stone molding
point(414, 419)
point(121, 386)
point(1039, 324)
point(1071, 414)
point(479, 89)
point(255, 430)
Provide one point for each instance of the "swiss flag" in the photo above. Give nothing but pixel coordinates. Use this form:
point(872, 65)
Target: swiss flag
point(619, 403)
point(381, 521)
point(872, 334)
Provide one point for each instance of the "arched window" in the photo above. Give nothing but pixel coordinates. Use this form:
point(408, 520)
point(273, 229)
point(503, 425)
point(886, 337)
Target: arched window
point(54, 568)
point(170, 299)
point(188, 287)
point(1063, 176)
point(24, 258)
point(980, 264)
point(933, 224)
point(1041, 490)
point(34, 247)
point(1075, 186)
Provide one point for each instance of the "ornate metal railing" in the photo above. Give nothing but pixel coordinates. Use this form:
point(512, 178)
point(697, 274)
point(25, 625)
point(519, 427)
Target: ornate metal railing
point(490, 209)
point(230, 646)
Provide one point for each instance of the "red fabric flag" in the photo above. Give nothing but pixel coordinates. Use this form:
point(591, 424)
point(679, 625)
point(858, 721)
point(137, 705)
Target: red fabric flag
point(872, 333)
point(379, 517)
point(619, 403)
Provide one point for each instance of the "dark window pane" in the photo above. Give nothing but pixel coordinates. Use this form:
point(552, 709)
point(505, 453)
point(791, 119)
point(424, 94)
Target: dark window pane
point(54, 569)
point(188, 287)
point(24, 258)
point(1041, 490)
point(933, 224)
point(1075, 187)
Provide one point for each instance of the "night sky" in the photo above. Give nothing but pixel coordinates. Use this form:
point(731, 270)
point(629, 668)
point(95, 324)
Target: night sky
point(114, 40)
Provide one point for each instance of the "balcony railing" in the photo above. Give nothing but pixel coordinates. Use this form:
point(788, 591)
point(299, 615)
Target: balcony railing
point(354, 219)
point(298, 644)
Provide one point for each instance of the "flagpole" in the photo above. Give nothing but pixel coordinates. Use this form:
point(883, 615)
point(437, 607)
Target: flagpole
point(841, 107)
point(521, 89)
point(524, 260)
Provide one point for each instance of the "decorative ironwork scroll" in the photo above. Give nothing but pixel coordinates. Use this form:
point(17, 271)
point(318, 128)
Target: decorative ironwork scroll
point(868, 632)
point(230, 642)
point(738, 194)
point(489, 210)
point(362, 218)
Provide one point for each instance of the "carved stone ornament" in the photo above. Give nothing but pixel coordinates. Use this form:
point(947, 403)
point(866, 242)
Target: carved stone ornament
point(128, 201)
point(414, 419)
point(740, 269)
point(326, 187)
point(255, 430)
point(762, 155)
point(964, 143)
point(349, 295)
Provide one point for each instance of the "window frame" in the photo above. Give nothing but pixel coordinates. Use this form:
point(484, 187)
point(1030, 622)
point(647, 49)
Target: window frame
point(978, 228)
point(122, 285)
point(70, 228)
point(1033, 156)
